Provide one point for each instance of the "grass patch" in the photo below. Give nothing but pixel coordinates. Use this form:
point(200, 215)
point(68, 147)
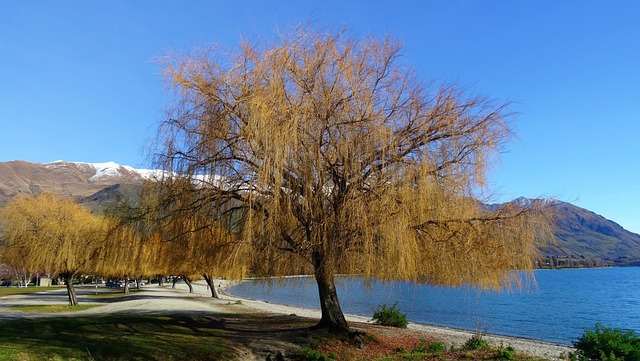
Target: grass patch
point(112, 338)
point(52, 308)
point(111, 293)
point(10, 291)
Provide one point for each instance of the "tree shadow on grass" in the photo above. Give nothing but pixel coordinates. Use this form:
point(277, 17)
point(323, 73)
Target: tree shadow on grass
point(115, 338)
point(201, 336)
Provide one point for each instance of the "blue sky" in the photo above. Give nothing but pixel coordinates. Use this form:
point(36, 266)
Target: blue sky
point(78, 81)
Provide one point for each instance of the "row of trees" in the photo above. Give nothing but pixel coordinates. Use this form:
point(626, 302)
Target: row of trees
point(54, 235)
point(320, 153)
point(572, 262)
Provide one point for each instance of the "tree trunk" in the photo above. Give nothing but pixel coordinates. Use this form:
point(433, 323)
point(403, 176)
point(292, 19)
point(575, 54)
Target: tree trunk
point(212, 286)
point(126, 285)
point(175, 280)
point(187, 280)
point(71, 292)
point(332, 316)
point(138, 283)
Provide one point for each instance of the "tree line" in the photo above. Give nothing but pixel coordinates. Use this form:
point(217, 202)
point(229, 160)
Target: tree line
point(316, 153)
point(572, 262)
point(48, 234)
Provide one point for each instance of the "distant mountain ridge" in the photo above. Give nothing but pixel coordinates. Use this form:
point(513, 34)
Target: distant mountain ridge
point(74, 179)
point(584, 237)
point(581, 234)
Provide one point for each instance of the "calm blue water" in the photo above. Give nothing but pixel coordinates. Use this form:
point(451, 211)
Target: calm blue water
point(558, 309)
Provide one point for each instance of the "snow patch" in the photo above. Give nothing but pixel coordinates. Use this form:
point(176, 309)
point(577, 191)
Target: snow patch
point(112, 169)
point(526, 202)
point(106, 170)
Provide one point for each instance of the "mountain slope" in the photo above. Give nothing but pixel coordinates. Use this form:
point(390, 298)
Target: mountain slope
point(123, 193)
point(74, 179)
point(581, 234)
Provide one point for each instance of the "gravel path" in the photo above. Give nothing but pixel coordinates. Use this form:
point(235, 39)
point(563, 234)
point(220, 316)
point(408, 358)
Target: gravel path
point(162, 300)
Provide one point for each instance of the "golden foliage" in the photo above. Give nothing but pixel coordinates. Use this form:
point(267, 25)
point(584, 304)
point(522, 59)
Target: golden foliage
point(340, 160)
point(196, 238)
point(50, 233)
point(162, 233)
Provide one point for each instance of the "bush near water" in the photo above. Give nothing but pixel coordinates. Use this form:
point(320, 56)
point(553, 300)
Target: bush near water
point(606, 344)
point(390, 316)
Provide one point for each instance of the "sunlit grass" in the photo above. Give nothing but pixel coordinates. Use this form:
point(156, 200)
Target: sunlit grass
point(52, 308)
point(9, 291)
point(112, 293)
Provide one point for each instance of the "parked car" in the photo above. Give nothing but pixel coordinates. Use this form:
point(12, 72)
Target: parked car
point(6, 283)
point(112, 284)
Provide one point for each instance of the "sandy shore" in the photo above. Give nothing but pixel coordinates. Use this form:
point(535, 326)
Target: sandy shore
point(449, 336)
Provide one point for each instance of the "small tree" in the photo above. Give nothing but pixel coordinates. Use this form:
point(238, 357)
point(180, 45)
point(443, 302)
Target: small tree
point(341, 161)
point(49, 232)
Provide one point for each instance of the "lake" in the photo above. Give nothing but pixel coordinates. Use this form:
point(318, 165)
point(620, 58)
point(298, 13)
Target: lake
point(556, 309)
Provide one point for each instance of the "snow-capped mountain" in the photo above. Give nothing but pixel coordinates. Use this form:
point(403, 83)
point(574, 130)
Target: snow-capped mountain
point(76, 179)
point(106, 170)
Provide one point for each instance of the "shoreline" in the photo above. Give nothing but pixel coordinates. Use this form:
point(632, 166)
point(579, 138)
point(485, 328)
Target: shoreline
point(448, 335)
point(166, 300)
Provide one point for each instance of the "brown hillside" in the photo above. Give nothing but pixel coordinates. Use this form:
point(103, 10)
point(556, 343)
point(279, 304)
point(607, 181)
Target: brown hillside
point(64, 178)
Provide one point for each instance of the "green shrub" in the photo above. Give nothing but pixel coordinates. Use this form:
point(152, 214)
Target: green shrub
point(573, 357)
point(310, 354)
point(390, 316)
point(422, 347)
point(505, 355)
point(607, 344)
point(370, 337)
point(436, 348)
point(475, 343)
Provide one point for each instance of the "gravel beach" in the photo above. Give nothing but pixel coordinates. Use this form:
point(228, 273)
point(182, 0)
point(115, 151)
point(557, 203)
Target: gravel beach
point(449, 336)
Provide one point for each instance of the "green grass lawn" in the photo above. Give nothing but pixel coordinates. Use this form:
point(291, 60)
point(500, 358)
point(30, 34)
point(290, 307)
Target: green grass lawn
point(112, 338)
point(8, 291)
point(52, 308)
point(86, 291)
point(111, 293)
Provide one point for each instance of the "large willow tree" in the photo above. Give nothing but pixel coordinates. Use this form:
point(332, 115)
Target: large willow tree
point(343, 161)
